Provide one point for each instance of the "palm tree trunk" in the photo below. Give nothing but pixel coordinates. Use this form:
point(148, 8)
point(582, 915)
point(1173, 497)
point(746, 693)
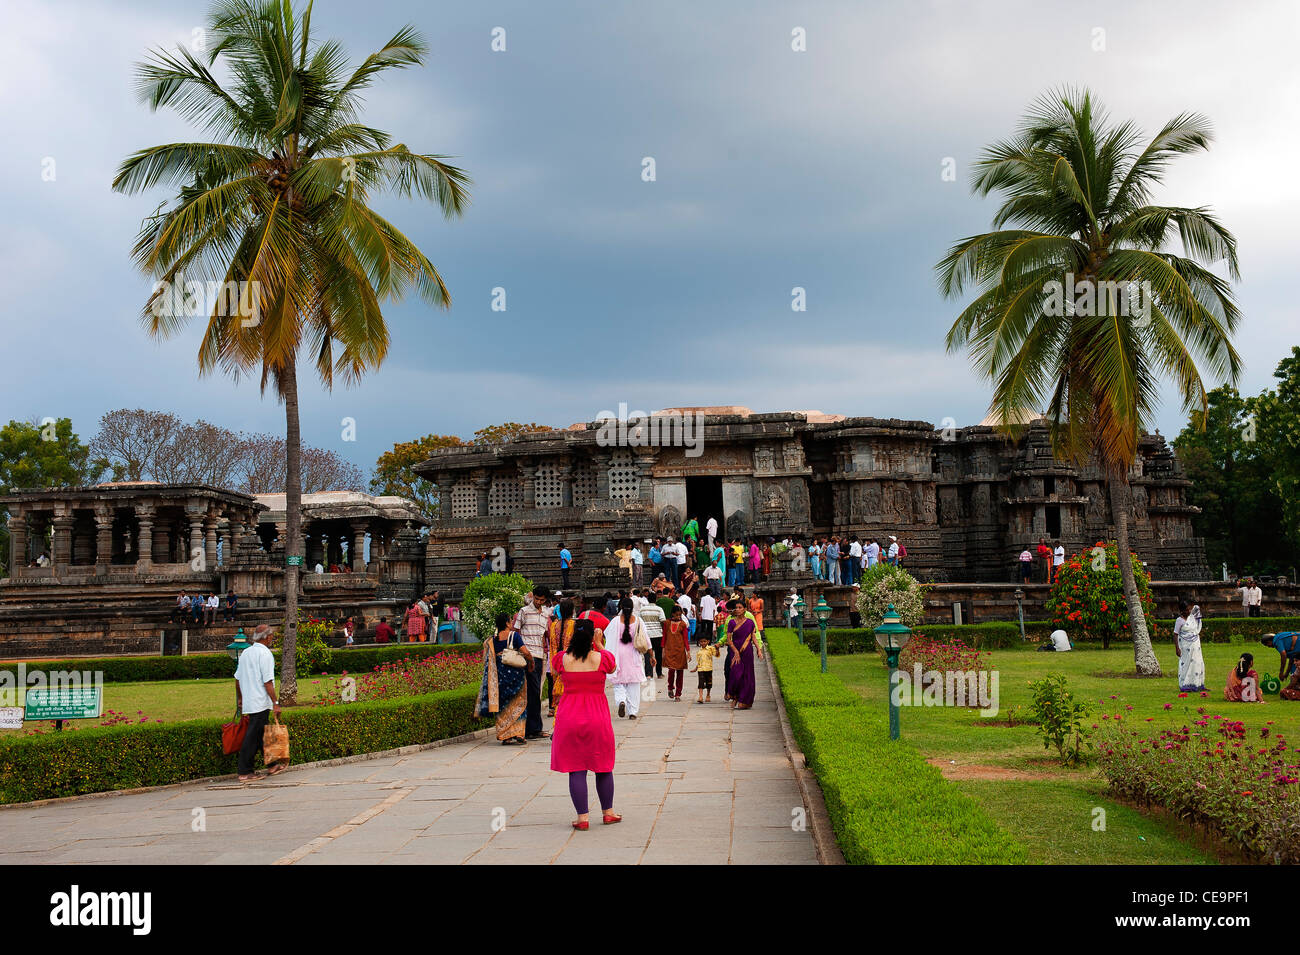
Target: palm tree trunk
point(1144, 657)
point(293, 533)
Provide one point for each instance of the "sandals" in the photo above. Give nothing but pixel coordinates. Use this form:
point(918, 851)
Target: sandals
point(250, 779)
point(612, 817)
point(622, 709)
point(277, 769)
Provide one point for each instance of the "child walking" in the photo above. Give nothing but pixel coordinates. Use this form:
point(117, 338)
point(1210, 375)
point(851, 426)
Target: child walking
point(703, 665)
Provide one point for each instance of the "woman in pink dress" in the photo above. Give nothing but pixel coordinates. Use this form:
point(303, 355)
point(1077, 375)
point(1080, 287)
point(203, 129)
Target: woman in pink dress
point(582, 739)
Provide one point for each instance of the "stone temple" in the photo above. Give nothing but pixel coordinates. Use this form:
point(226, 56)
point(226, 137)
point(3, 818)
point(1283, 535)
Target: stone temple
point(964, 501)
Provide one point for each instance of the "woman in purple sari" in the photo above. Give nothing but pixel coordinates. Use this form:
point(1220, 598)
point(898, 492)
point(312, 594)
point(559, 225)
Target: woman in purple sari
point(740, 679)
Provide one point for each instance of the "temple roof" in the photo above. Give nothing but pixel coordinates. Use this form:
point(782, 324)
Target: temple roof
point(330, 504)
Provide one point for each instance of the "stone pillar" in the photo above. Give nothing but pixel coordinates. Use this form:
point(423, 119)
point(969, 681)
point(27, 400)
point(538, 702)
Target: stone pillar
point(528, 479)
point(645, 461)
point(281, 536)
point(358, 549)
point(442, 484)
point(103, 539)
point(564, 473)
point(144, 515)
point(482, 485)
point(196, 536)
point(161, 547)
point(601, 462)
point(62, 544)
point(17, 540)
point(210, 540)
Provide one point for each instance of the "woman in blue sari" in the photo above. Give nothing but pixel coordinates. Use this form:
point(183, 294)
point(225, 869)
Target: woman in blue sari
point(503, 692)
point(740, 678)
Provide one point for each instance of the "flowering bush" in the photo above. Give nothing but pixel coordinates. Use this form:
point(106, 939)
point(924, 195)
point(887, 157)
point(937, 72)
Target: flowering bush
point(1059, 717)
point(1088, 596)
point(1241, 783)
point(489, 595)
point(412, 676)
point(939, 656)
point(885, 584)
point(312, 652)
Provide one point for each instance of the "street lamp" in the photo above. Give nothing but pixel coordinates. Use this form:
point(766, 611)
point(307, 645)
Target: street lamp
point(823, 614)
point(239, 645)
point(891, 636)
point(1020, 610)
point(797, 608)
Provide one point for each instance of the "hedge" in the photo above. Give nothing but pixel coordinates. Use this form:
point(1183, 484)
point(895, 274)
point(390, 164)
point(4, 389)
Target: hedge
point(209, 666)
point(997, 635)
point(107, 758)
point(886, 803)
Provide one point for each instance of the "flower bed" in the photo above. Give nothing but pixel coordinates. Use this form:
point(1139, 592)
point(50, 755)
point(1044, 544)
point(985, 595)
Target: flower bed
point(410, 676)
point(1238, 781)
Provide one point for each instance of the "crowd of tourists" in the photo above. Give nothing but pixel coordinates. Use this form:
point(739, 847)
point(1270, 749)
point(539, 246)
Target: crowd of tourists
point(568, 649)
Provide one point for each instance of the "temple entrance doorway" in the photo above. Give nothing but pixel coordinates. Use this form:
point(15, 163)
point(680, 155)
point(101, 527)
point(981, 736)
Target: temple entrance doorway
point(704, 500)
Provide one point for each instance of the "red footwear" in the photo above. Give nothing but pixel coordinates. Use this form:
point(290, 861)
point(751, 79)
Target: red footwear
point(612, 817)
point(581, 826)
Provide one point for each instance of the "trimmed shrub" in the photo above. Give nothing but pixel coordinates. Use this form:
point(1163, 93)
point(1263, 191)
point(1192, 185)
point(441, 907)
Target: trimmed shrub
point(1089, 595)
point(103, 759)
point(218, 666)
point(489, 595)
point(884, 584)
point(886, 803)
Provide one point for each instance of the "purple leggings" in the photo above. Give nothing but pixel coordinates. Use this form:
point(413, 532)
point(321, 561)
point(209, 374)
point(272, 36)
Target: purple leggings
point(578, 790)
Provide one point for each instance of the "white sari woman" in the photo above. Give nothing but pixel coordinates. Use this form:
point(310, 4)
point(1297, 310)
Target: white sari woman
point(1187, 644)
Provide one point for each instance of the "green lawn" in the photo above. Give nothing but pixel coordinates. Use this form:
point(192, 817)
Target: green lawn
point(1050, 808)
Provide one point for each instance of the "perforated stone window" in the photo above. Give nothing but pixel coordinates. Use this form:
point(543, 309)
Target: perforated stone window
point(623, 481)
point(464, 501)
point(506, 495)
point(584, 484)
point(548, 491)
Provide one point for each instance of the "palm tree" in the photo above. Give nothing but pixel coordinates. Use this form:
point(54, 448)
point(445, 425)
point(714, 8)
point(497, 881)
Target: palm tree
point(278, 203)
point(1078, 189)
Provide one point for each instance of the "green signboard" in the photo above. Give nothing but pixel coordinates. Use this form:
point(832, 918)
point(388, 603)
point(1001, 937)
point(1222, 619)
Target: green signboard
point(293, 560)
point(63, 703)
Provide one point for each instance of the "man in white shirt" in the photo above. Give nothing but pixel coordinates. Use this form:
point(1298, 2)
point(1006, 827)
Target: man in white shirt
point(708, 610)
point(855, 561)
point(873, 553)
point(682, 554)
point(892, 553)
point(688, 608)
point(1058, 560)
point(638, 563)
point(712, 528)
point(210, 608)
point(1252, 599)
point(255, 697)
point(713, 579)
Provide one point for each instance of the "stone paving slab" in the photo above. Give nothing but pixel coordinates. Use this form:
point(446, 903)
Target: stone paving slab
point(472, 802)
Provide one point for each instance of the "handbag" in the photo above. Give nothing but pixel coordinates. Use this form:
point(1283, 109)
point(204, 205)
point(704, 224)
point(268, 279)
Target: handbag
point(640, 641)
point(233, 733)
point(513, 658)
point(275, 743)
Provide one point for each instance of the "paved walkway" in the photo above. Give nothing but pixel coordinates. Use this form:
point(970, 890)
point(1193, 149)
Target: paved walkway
point(695, 785)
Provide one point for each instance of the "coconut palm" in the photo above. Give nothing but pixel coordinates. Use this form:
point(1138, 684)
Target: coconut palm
point(1079, 308)
point(278, 202)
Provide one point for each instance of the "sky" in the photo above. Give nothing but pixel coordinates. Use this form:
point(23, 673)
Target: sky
point(821, 169)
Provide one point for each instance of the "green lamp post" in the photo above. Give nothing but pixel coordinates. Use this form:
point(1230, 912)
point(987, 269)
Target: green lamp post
point(797, 608)
point(823, 614)
point(891, 636)
point(238, 646)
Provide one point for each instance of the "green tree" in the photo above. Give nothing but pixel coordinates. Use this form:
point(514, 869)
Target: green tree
point(42, 455)
point(278, 205)
point(1088, 595)
point(1276, 430)
point(1079, 307)
point(1241, 514)
point(395, 470)
point(506, 431)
